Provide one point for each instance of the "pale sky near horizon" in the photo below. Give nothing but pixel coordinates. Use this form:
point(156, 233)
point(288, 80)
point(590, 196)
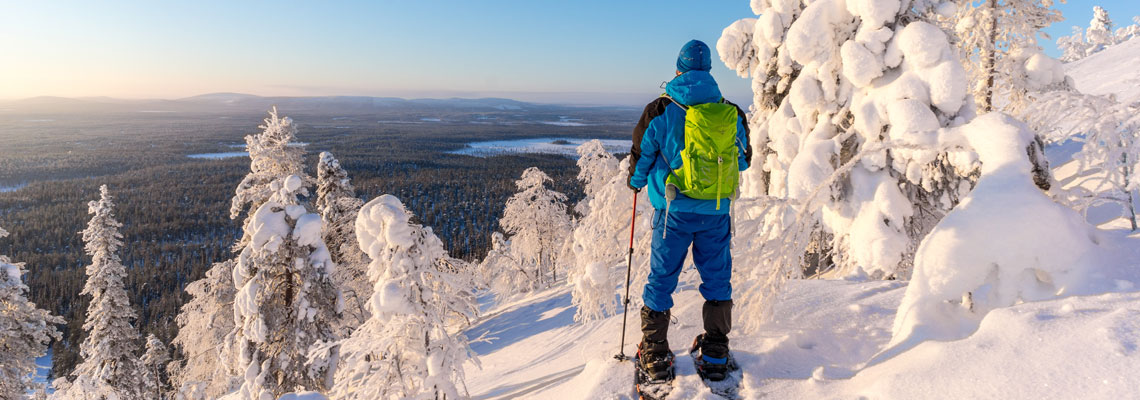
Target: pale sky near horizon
point(589, 51)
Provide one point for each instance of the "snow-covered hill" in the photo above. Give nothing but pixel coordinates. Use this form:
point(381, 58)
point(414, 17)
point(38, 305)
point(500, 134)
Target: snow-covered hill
point(1115, 70)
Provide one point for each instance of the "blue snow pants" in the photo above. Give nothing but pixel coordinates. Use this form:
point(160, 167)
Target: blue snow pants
point(710, 237)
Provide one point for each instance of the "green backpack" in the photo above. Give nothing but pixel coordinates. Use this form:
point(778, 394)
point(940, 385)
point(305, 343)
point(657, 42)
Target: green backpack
point(710, 160)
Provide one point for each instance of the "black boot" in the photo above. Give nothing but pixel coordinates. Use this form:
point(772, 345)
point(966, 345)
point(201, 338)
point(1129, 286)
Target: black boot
point(714, 342)
point(653, 353)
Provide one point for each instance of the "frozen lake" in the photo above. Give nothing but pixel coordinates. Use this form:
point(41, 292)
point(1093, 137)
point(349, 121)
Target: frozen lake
point(13, 188)
point(43, 367)
point(219, 156)
point(561, 146)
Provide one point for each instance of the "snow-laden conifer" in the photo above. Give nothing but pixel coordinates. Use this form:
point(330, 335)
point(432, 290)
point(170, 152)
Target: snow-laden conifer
point(25, 331)
point(1099, 34)
point(537, 222)
point(412, 346)
point(338, 206)
point(154, 362)
point(843, 91)
point(271, 159)
point(596, 167)
point(835, 82)
point(110, 368)
point(285, 303)
point(206, 321)
point(600, 242)
point(203, 324)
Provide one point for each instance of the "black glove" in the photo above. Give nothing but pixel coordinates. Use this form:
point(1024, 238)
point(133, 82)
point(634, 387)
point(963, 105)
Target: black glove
point(635, 189)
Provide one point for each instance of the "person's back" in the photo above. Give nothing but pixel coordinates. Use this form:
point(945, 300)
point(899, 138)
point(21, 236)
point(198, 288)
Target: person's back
point(681, 221)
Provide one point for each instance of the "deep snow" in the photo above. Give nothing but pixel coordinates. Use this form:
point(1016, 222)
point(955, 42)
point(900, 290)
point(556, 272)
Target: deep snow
point(823, 334)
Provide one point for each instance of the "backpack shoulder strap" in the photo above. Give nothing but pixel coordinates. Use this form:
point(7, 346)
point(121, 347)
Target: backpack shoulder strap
point(667, 96)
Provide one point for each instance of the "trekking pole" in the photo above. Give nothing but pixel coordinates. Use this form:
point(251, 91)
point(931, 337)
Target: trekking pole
point(628, 270)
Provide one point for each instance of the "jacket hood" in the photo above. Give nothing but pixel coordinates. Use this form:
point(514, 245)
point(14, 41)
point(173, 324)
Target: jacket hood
point(693, 87)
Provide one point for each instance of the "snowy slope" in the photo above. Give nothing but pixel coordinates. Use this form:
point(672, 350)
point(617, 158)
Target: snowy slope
point(824, 333)
point(1115, 70)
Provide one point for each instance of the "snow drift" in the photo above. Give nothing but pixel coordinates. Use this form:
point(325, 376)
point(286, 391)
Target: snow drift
point(1006, 242)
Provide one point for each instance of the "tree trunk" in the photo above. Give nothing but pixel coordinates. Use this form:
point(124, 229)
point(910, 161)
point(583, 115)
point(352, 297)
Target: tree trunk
point(989, 58)
point(1131, 211)
point(1128, 193)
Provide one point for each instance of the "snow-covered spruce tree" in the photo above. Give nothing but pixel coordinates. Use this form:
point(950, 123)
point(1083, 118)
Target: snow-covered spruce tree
point(600, 242)
point(412, 346)
point(996, 39)
point(272, 159)
point(154, 363)
point(537, 222)
point(25, 331)
point(110, 366)
point(596, 167)
point(843, 79)
point(285, 303)
point(206, 321)
point(751, 47)
point(1099, 34)
point(337, 204)
point(203, 324)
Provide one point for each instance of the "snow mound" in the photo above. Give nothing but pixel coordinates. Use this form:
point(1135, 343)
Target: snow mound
point(1110, 72)
point(1073, 348)
point(1005, 243)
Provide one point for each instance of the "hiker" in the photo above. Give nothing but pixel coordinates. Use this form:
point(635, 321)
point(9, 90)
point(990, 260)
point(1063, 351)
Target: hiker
point(685, 215)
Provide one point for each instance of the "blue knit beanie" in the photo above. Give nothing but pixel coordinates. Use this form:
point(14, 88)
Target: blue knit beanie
point(695, 56)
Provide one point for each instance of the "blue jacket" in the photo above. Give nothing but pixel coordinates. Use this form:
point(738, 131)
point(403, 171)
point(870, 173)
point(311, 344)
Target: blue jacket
point(660, 136)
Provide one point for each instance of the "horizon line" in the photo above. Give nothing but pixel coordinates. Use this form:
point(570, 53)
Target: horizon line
point(576, 98)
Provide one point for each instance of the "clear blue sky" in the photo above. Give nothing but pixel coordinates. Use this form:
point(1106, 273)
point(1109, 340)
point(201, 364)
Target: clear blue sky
point(577, 51)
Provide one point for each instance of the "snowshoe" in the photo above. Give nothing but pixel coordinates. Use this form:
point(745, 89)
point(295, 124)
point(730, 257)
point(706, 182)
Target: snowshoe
point(657, 383)
point(723, 379)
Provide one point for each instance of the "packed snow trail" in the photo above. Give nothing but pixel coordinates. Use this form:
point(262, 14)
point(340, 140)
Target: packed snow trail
point(541, 353)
